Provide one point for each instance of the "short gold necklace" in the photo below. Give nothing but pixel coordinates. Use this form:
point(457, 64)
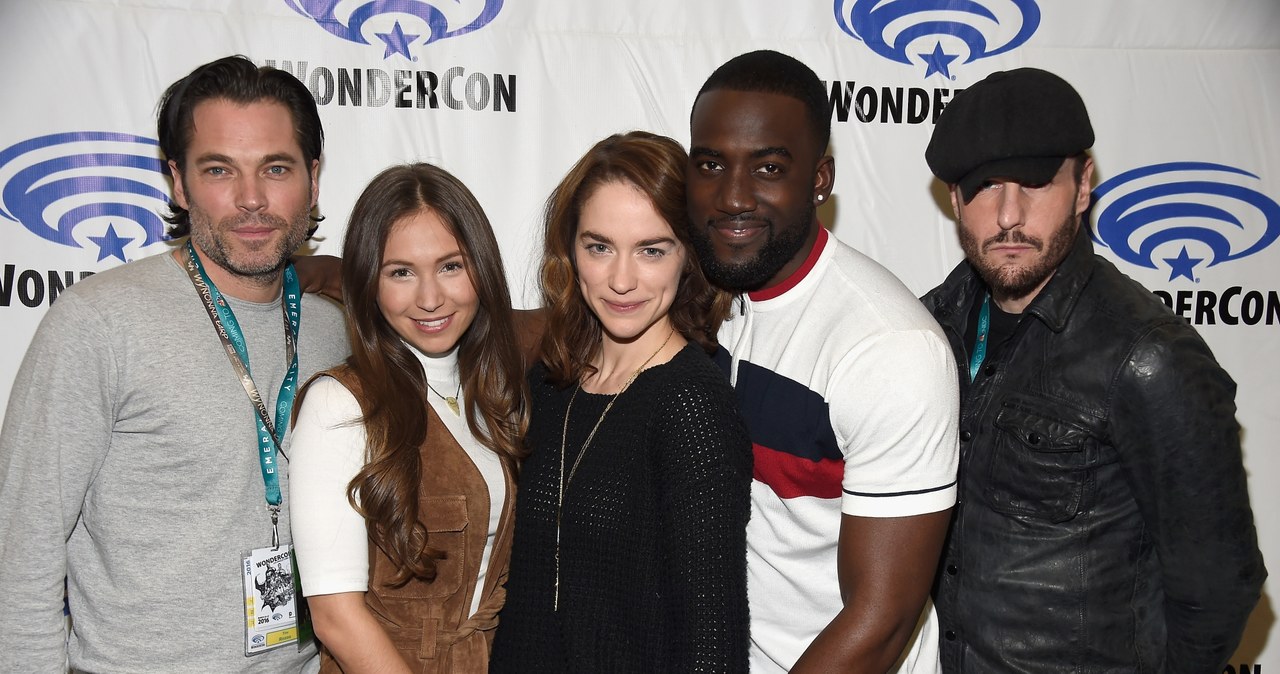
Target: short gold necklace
point(564, 440)
point(451, 402)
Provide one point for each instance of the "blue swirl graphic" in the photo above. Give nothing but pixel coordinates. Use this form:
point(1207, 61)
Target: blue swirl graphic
point(324, 13)
point(1176, 198)
point(36, 184)
point(868, 20)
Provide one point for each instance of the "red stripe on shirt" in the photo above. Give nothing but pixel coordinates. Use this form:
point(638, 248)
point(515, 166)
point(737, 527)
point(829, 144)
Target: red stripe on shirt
point(790, 476)
point(796, 276)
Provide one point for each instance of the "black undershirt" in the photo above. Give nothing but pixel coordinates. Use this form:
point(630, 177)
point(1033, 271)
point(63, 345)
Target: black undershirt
point(999, 334)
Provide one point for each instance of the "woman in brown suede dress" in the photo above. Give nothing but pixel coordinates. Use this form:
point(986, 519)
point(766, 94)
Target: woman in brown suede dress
point(403, 459)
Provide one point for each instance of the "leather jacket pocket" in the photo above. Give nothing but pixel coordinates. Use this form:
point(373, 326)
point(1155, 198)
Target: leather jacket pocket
point(1041, 464)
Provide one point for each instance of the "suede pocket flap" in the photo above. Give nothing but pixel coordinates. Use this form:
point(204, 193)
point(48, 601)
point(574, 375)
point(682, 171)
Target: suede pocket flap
point(444, 513)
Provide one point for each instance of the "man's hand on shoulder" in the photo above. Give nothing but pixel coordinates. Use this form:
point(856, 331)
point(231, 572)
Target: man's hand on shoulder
point(320, 274)
point(531, 324)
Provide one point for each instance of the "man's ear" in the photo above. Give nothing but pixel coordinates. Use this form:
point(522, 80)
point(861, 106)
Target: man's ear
point(824, 179)
point(954, 191)
point(315, 182)
point(1085, 189)
point(179, 190)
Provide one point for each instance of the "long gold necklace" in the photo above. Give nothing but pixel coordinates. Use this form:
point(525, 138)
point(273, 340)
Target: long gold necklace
point(564, 440)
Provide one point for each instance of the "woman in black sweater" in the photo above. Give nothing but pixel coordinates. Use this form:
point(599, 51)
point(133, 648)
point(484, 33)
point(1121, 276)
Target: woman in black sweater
point(630, 544)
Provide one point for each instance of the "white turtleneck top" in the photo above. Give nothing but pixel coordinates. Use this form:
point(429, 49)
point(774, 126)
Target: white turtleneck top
point(328, 450)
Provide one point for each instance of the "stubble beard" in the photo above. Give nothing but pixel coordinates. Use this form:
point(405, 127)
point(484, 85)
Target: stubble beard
point(780, 247)
point(1018, 281)
point(260, 268)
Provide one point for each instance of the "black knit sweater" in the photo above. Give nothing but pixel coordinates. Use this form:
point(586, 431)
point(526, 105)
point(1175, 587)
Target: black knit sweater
point(653, 536)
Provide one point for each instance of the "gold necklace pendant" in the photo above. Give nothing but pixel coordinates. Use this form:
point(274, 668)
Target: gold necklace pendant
point(564, 439)
point(451, 401)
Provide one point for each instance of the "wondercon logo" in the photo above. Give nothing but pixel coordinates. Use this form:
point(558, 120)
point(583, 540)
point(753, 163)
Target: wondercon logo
point(85, 189)
point(1184, 215)
point(398, 24)
point(936, 33)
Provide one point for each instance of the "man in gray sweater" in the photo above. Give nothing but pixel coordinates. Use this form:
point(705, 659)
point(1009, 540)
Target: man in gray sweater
point(142, 456)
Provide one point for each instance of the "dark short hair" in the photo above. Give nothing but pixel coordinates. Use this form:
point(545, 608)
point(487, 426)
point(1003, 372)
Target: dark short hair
point(236, 79)
point(771, 72)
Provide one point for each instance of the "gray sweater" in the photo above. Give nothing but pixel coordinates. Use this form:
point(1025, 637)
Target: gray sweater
point(128, 465)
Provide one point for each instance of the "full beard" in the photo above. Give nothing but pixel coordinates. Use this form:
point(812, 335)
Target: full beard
point(1016, 281)
point(259, 264)
point(748, 275)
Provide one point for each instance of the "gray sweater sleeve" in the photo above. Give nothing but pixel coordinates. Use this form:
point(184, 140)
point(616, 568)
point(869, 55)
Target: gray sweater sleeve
point(56, 432)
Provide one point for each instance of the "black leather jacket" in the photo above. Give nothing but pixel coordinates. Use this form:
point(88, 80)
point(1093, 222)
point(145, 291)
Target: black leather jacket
point(1103, 522)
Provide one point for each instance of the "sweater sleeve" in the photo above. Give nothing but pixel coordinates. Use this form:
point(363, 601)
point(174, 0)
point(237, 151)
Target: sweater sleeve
point(704, 486)
point(56, 434)
point(1173, 416)
point(328, 450)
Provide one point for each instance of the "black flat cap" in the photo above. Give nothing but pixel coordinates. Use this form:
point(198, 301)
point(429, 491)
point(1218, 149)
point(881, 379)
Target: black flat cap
point(1017, 124)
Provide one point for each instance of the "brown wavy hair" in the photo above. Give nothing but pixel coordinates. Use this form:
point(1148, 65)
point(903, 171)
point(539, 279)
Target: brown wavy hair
point(392, 384)
point(654, 165)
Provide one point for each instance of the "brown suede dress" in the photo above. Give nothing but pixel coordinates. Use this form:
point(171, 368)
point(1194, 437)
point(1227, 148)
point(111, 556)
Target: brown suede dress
point(429, 622)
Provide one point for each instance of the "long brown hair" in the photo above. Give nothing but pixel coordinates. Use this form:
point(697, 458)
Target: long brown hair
point(392, 384)
point(654, 165)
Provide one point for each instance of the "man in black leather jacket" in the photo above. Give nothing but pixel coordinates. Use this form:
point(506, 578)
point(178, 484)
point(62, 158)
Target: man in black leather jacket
point(1103, 522)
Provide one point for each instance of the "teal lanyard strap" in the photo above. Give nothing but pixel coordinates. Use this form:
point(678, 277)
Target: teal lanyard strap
point(980, 342)
point(228, 328)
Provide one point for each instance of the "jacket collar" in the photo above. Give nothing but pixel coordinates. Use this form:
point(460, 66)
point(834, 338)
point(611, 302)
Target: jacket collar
point(1058, 299)
point(1054, 304)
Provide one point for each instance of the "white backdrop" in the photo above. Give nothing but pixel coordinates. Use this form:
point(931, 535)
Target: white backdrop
point(1184, 96)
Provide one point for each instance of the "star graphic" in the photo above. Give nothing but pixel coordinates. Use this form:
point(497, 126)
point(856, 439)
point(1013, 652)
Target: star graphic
point(397, 42)
point(1184, 265)
point(938, 62)
point(111, 244)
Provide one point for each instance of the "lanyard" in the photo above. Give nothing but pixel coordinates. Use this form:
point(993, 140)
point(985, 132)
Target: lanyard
point(980, 342)
point(228, 329)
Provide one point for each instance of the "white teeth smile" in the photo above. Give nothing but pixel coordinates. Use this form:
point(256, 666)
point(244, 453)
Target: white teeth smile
point(433, 324)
